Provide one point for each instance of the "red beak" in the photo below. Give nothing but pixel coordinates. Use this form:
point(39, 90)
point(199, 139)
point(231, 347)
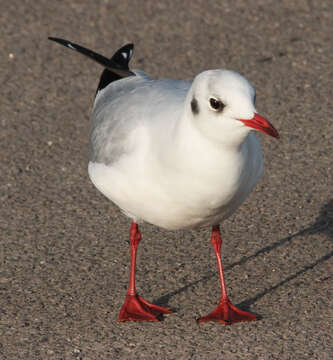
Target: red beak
point(261, 124)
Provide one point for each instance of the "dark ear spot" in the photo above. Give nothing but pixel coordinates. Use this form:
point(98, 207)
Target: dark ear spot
point(195, 106)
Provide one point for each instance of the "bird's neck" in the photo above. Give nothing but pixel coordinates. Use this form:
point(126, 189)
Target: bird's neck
point(191, 148)
point(195, 138)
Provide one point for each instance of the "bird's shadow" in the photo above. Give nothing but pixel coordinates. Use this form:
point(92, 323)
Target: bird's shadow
point(322, 224)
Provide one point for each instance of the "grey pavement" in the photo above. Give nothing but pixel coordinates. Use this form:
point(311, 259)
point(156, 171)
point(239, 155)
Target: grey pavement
point(64, 254)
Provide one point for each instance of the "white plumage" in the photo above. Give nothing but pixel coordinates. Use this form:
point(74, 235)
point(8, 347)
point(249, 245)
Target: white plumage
point(167, 165)
point(176, 154)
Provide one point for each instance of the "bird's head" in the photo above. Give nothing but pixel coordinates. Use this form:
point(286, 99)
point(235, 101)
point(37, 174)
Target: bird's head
point(221, 104)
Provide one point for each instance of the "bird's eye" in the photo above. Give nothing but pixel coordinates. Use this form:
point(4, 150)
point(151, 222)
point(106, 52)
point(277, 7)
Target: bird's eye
point(216, 105)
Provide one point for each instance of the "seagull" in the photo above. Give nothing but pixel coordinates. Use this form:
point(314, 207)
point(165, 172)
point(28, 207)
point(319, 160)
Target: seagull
point(176, 154)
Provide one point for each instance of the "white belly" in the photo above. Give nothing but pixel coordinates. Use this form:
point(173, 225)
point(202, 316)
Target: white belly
point(175, 200)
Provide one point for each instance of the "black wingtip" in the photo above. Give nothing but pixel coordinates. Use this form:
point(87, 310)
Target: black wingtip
point(66, 43)
point(118, 67)
point(61, 41)
point(123, 56)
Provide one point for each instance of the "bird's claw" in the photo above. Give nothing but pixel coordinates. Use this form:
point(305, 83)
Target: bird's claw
point(227, 313)
point(135, 308)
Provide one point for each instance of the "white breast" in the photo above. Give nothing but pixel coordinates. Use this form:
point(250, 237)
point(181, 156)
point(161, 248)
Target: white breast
point(179, 195)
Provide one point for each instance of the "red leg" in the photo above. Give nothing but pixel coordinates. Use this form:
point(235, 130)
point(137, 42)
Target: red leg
point(225, 311)
point(135, 308)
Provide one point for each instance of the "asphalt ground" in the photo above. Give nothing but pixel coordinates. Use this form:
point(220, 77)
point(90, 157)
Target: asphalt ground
point(64, 247)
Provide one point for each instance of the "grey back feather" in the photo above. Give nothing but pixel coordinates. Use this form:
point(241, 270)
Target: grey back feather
point(125, 104)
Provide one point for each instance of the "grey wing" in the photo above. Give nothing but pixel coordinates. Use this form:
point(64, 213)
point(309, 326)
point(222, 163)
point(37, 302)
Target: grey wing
point(117, 111)
point(111, 122)
point(122, 106)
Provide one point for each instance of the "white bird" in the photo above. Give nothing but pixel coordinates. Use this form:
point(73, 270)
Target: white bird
point(176, 154)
